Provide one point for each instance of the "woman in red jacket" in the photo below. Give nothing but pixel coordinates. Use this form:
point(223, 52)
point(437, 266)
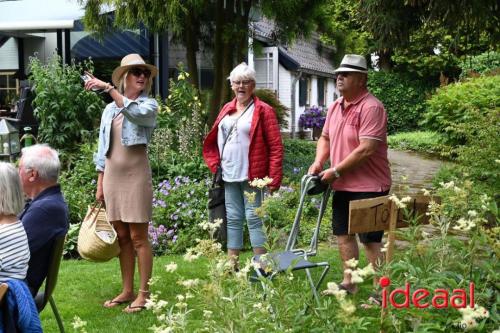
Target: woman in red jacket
point(245, 141)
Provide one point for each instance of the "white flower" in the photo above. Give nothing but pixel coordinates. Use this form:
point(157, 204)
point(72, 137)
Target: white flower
point(426, 192)
point(261, 183)
point(472, 213)
point(172, 267)
point(180, 298)
point(406, 199)
point(333, 289)
point(395, 199)
point(250, 196)
point(207, 313)
point(257, 306)
point(385, 247)
point(348, 307)
point(448, 185)
point(191, 255)
point(352, 263)
point(191, 283)
point(181, 305)
point(368, 270)
point(78, 323)
point(356, 277)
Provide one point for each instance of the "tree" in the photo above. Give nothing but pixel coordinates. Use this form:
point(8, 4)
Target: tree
point(393, 23)
point(189, 19)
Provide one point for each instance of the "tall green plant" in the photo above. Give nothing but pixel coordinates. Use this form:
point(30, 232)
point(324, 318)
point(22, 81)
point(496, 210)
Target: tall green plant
point(67, 113)
point(176, 145)
point(403, 97)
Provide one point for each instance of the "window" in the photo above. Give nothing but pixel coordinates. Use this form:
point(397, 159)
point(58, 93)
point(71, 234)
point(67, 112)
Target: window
point(9, 88)
point(304, 91)
point(266, 69)
point(321, 91)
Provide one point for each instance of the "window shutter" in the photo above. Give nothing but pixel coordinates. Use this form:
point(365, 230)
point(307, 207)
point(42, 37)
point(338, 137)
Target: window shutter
point(321, 92)
point(302, 92)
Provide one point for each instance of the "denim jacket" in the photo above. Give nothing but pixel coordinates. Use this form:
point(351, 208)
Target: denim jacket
point(139, 120)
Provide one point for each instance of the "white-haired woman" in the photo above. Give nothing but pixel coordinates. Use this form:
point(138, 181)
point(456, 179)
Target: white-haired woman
point(245, 141)
point(14, 248)
point(124, 175)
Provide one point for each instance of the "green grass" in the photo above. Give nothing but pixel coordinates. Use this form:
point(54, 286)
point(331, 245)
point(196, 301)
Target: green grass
point(420, 141)
point(83, 287)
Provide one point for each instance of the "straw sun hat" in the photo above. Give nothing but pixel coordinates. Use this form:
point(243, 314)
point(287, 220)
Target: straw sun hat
point(129, 61)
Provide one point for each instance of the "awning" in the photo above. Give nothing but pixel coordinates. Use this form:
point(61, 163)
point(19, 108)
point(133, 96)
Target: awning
point(113, 45)
point(39, 15)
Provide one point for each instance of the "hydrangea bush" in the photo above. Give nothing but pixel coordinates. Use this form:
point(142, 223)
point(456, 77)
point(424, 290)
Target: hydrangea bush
point(313, 117)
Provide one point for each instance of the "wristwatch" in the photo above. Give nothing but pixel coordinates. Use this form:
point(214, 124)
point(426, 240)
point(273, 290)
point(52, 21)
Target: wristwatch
point(336, 173)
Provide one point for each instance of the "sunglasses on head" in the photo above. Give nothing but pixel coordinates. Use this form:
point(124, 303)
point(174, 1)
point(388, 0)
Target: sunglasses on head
point(136, 71)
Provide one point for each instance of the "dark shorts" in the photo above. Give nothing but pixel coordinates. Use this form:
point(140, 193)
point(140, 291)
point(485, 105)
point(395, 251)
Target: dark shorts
point(340, 215)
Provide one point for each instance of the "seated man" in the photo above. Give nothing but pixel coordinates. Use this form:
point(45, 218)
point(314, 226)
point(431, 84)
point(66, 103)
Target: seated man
point(45, 217)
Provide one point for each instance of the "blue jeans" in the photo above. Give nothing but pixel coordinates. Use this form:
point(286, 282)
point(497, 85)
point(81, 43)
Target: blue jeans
point(239, 208)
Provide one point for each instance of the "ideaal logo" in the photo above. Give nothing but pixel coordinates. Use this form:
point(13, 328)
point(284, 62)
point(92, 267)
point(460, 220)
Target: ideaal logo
point(423, 298)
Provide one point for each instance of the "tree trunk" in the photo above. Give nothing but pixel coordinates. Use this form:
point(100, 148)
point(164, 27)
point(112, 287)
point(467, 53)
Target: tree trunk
point(192, 36)
point(215, 102)
point(384, 59)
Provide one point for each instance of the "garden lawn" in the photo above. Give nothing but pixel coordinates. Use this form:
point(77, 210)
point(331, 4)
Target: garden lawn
point(83, 287)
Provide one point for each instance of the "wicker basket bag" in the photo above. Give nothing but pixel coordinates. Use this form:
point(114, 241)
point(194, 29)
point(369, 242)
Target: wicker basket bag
point(97, 239)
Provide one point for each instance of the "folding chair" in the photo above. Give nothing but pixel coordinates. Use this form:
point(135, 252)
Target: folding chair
point(45, 296)
point(293, 258)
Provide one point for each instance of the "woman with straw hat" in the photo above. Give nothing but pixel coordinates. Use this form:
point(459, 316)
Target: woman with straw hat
point(124, 175)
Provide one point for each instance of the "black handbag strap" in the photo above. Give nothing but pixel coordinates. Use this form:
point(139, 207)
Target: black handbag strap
point(233, 127)
point(216, 181)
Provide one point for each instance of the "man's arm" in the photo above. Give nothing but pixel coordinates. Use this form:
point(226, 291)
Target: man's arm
point(322, 154)
point(359, 155)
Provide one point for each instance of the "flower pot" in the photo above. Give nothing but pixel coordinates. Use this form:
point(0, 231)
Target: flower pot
point(316, 133)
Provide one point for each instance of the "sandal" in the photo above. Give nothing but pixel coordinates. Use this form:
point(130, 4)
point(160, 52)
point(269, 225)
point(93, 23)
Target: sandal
point(112, 303)
point(134, 309)
point(373, 300)
point(348, 291)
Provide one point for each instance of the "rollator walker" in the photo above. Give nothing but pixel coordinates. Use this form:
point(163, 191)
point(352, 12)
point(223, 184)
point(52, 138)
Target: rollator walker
point(294, 259)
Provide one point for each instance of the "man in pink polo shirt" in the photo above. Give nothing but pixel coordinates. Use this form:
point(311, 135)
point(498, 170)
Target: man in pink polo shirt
point(355, 139)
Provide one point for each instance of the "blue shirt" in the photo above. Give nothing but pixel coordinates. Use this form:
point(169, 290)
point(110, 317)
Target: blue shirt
point(138, 123)
point(44, 218)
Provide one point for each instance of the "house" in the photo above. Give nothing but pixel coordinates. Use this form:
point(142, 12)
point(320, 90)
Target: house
point(301, 74)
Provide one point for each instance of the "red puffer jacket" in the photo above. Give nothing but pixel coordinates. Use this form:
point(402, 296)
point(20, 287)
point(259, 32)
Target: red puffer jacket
point(265, 157)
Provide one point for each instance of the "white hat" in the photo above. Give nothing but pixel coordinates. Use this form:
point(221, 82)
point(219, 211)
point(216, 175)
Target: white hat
point(353, 63)
point(129, 61)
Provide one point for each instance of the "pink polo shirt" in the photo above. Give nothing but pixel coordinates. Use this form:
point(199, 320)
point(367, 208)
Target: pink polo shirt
point(365, 117)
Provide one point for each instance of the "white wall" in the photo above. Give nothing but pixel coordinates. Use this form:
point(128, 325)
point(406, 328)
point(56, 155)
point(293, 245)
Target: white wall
point(332, 92)
point(8, 55)
point(313, 97)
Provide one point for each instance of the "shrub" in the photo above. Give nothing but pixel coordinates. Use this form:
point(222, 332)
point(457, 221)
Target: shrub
point(176, 145)
point(78, 186)
point(68, 114)
point(403, 97)
point(299, 155)
point(269, 97)
point(461, 103)
point(421, 141)
point(481, 64)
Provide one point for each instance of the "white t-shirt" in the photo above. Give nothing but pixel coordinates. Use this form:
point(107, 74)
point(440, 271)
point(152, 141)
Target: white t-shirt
point(14, 251)
point(235, 155)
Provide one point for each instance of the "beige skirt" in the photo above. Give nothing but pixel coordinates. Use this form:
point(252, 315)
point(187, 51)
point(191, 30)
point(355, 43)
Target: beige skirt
point(127, 184)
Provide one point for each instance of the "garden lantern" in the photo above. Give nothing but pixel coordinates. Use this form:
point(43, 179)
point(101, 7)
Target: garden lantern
point(9, 140)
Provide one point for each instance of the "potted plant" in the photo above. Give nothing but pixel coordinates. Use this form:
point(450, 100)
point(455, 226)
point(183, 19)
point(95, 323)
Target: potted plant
point(313, 118)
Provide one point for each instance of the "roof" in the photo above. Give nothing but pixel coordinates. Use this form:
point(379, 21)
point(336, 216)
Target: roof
point(308, 56)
